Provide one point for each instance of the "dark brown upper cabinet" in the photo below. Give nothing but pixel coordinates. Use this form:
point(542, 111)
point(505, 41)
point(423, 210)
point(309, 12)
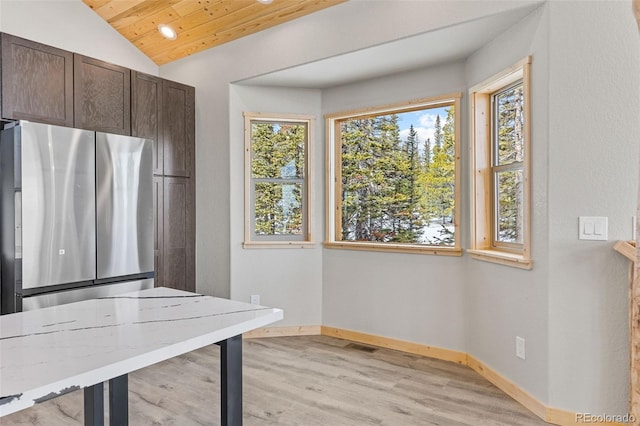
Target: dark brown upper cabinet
point(102, 96)
point(146, 113)
point(178, 129)
point(37, 82)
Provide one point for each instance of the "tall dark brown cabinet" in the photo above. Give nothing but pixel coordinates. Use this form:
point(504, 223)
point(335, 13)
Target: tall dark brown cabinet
point(43, 84)
point(164, 111)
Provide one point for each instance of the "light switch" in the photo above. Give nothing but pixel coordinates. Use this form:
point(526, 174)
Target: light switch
point(598, 228)
point(593, 228)
point(588, 228)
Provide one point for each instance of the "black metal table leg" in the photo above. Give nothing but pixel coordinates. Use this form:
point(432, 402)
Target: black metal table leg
point(119, 401)
point(231, 381)
point(94, 405)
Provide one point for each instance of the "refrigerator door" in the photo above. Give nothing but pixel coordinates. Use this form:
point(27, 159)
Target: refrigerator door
point(58, 205)
point(124, 205)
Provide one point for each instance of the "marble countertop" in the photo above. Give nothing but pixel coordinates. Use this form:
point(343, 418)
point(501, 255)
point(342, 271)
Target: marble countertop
point(48, 352)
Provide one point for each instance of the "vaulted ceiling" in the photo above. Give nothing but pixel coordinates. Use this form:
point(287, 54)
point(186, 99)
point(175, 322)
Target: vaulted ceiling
point(199, 24)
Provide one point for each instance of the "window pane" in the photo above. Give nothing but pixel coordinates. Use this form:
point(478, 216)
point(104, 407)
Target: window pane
point(277, 149)
point(398, 177)
point(278, 208)
point(510, 196)
point(509, 126)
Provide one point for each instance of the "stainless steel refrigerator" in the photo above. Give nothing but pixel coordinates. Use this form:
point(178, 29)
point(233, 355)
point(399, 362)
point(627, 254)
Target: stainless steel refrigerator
point(76, 215)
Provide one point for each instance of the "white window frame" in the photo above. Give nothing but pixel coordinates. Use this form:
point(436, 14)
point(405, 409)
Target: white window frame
point(250, 239)
point(483, 242)
point(333, 199)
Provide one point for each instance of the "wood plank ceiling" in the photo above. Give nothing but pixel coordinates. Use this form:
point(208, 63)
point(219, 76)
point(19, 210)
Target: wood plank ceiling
point(200, 24)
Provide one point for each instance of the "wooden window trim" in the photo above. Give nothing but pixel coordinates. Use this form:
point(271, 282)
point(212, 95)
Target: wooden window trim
point(278, 244)
point(482, 210)
point(333, 176)
point(306, 241)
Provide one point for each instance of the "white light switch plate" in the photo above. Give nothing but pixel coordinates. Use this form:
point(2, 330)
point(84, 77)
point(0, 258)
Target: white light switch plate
point(593, 228)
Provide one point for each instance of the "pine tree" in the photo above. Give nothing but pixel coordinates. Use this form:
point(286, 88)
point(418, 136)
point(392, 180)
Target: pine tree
point(510, 149)
point(437, 133)
point(410, 216)
point(277, 153)
point(357, 159)
point(427, 155)
point(440, 178)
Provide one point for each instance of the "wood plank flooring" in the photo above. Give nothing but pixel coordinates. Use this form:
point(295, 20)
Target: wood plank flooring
point(305, 380)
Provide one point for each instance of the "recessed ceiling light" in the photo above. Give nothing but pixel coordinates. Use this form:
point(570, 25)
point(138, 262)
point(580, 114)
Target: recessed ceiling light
point(167, 32)
point(265, 1)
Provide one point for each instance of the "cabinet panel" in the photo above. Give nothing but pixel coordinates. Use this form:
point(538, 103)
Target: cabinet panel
point(178, 129)
point(158, 223)
point(102, 96)
point(146, 113)
point(178, 234)
point(37, 82)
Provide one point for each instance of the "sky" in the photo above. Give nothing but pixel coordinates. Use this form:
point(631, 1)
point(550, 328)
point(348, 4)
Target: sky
point(423, 122)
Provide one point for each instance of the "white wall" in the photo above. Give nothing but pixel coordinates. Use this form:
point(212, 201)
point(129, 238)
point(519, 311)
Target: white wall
point(571, 308)
point(504, 302)
point(413, 297)
point(316, 36)
point(594, 129)
point(71, 25)
point(287, 278)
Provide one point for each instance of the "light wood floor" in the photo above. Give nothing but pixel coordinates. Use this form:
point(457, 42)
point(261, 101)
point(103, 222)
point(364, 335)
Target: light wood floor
point(307, 380)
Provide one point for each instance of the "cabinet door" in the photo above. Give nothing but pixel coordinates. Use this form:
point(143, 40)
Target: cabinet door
point(146, 113)
point(102, 96)
point(178, 129)
point(158, 223)
point(178, 234)
point(37, 82)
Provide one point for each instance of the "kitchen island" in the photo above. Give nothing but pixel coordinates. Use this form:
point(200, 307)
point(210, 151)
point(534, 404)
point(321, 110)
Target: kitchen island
point(49, 352)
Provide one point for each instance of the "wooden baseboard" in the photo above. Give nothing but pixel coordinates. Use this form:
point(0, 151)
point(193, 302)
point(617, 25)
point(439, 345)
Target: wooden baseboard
point(508, 387)
point(548, 414)
point(560, 417)
point(398, 345)
point(296, 330)
point(568, 418)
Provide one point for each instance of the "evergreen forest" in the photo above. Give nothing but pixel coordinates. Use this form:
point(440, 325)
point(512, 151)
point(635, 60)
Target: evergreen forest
point(277, 175)
point(395, 189)
point(508, 165)
point(392, 188)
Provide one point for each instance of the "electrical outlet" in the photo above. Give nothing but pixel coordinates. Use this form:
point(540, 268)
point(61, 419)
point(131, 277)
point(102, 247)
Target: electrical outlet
point(520, 352)
point(254, 299)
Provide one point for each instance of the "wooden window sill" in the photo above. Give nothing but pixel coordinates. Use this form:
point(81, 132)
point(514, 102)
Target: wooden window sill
point(278, 244)
point(502, 258)
point(395, 248)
